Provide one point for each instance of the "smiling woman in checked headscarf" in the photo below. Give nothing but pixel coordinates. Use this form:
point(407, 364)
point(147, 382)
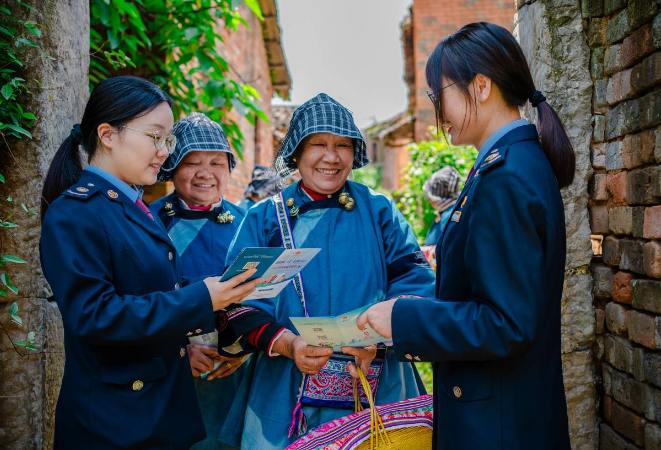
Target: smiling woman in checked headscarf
point(368, 254)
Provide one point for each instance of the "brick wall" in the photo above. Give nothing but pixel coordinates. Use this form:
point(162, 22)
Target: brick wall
point(625, 193)
point(432, 21)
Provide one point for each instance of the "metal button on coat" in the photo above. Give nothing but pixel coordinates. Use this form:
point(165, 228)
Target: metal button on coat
point(182, 352)
point(409, 357)
point(189, 334)
point(176, 286)
point(198, 331)
point(170, 256)
point(417, 358)
point(457, 391)
point(137, 385)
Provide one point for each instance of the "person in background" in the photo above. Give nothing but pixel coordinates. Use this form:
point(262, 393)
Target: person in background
point(264, 184)
point(202, 224)
point(493, 330)
point(442, 189)
point(116, 276)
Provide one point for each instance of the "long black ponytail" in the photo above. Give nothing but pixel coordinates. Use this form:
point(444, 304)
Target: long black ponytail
point(115, 101)
point(488, 49)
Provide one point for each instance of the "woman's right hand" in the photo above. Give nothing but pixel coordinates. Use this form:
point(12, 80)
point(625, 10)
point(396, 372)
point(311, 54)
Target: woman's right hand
point(202, 358)
point(308, 358)
point(224, 293)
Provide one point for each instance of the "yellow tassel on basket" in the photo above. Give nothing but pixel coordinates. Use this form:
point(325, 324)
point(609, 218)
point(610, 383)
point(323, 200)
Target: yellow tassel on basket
point(409, 438)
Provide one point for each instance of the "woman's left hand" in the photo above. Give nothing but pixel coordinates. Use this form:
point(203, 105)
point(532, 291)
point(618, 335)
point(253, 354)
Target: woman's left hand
point(228, 367)
point(379, 317)
point(364, 357)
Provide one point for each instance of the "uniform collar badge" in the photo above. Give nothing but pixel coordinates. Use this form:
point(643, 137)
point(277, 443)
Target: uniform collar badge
point(82, 189)
point(456, 216)
point(112, 194)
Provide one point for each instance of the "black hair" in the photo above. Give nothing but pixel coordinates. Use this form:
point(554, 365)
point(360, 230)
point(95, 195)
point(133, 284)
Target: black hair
point(488, 49)
point(115, 101)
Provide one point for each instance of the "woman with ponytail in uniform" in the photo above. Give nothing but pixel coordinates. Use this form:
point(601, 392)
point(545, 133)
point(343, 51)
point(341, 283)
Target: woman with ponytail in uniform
point(493, 332)
point(116, 277)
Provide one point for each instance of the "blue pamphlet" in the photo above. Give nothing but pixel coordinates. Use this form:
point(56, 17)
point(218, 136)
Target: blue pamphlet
point(276, 266)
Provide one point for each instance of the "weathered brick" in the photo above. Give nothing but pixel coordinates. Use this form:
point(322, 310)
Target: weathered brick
point(652, 436)
point(618, 352)
point(641, 11)
point(650, 110)
point(610, 6)
point(631, 255)
point(622, 287)
point(644, 76)
point(597, 62)
point(639, 354)
point(618, 27)
point(597, 32)
point(599, 128)
point(652, 224)
point(592, 8)
point(656, 181)
point(613, 59)
point(611, 251)
point(641, 397)
point(610, 440)
point(638, 221)
point(652, 262)
point(608, 407)
point(620, 220)
point(619, 87)
point(597, 187)
point(614, 155)
point(646, 294)
point(637, 45)
point(600, 318)
point(640, 187)
point(616, 184)
point(652, 367)
point(600, 99)
point(623, 118)
point(657, 145)
point(603, 280)
point(628, 423)
point(638, 149)
point(656, 31)
point(616, 318)
point(644, 329)
point(599, 219)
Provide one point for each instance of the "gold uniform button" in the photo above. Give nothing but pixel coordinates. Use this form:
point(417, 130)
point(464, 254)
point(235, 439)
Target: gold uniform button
point(409, 357)
point(176, 286)
point(417, 358)
point(170, 256)
point(198, 331)
point(457, 391)
point(137, 385)
point(189, 334)
point(182, 352)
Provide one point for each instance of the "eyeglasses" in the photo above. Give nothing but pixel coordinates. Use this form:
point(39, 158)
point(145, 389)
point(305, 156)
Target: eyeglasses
point(160, 139)
point(433, 95)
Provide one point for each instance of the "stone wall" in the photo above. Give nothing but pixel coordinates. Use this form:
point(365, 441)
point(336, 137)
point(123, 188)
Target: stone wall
point(625, 193)
point(552, 35)
point(30, 381)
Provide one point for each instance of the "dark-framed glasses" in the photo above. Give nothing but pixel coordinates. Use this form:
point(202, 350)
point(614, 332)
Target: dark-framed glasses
point(433, 96)
point(160, 138)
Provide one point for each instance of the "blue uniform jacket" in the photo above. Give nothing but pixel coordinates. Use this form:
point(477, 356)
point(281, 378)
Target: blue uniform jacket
point(117, 280)
point(493, 332)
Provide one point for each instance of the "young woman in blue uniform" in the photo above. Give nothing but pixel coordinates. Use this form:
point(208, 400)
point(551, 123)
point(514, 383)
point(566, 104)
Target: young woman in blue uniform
point(493, 332)
point(116, 277)
point(202, 224)
point(368, 253)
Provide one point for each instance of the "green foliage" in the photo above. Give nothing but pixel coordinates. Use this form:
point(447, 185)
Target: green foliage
point(175, 43)
point(369, 176)
point(14, 34)
point(427, 375)
point(425, 158)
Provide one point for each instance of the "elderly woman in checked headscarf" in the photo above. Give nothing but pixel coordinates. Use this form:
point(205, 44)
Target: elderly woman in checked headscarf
point(442, 189)
point(369, 254)
point(202, 224)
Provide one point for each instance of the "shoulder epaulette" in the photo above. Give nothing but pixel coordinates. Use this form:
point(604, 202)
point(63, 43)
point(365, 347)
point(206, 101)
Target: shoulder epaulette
point(81, 191)
point(495, 157)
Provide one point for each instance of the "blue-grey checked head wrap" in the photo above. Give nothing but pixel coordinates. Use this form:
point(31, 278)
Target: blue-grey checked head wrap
point(443, 185)
point(264, 182)
point(321, 114)
point(196, 133)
